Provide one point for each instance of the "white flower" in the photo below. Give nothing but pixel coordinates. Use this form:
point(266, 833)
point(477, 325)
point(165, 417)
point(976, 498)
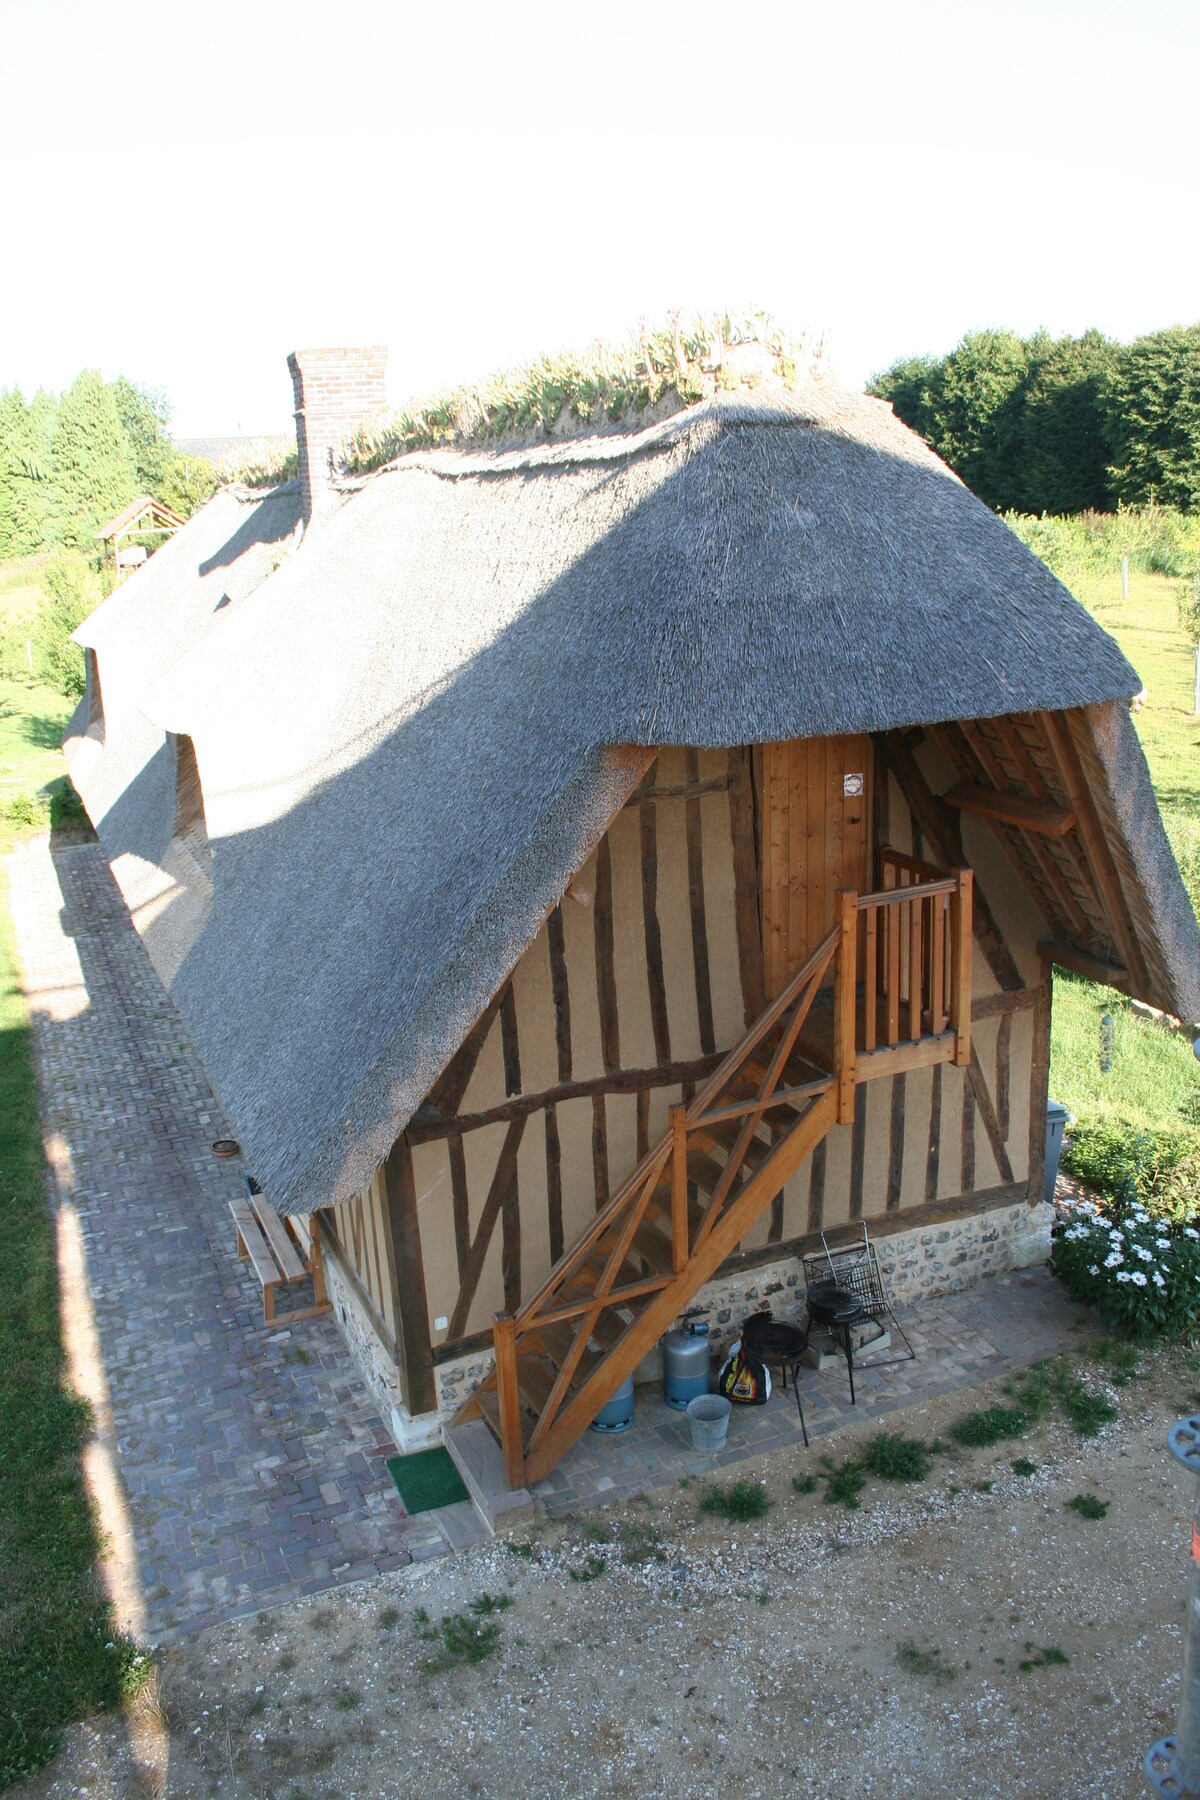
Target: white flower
point(1114, 1259)
point(1138, 1278)
point(1094, 1270)
point(1188, 1232)
point(1146, 1255)
point(1158, 1280)
point(1124, 1275)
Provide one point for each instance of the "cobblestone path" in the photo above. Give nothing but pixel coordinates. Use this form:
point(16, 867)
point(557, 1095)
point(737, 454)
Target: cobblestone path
point(251, 1458)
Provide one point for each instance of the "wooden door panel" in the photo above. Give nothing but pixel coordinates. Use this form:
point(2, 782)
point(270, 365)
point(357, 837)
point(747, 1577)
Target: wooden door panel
point(816, 838)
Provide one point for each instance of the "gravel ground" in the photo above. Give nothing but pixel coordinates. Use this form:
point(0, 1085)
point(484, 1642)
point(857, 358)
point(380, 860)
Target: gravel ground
point(651, 1651)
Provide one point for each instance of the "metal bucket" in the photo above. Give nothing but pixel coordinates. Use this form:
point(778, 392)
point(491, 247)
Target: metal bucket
point(708, 1416)
point(618, 1414)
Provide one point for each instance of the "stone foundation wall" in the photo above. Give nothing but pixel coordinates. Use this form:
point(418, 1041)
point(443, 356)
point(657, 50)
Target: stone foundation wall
point(933, 1259)
point(377, 1366)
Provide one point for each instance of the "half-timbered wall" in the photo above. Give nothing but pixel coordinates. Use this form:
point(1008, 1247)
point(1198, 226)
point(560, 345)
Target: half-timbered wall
point(652, 967)
point(360, 1226)
point(625, 999)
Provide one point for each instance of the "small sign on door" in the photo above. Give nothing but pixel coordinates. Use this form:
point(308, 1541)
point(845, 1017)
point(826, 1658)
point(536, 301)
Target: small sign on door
point(852, 786)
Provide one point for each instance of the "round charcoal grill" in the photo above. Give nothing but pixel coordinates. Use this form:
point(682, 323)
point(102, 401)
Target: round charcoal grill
point(775, 1341)
point(837, 1309)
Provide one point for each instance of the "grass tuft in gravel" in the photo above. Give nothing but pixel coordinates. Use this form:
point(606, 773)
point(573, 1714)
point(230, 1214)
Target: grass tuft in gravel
point(894, 1457)
point(1049, 1657)
point(844, 1483)
point(1122, 1361)
point(1021, 1465)
point(1089, 1506)
point(989, 1425)
point(740, 1502)
point(926, 1661)
point(590, 1569)
point(804, 1484)
point(464, 1639)
point(1087, 1412)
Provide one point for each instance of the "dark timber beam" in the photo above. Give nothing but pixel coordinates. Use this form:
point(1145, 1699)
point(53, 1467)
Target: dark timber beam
point(406, 1268)
point(1011, 809)
point(1082, 962)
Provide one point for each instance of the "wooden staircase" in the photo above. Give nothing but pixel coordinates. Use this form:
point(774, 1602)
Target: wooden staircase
point(695, 1195)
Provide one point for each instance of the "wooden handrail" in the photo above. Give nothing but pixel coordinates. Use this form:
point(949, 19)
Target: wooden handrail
point(946, 884)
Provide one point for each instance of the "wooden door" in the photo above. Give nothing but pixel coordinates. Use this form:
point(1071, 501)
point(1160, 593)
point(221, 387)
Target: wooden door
point(816, 838)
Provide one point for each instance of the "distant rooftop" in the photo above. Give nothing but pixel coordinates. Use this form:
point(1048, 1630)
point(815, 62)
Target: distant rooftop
point(216, 449)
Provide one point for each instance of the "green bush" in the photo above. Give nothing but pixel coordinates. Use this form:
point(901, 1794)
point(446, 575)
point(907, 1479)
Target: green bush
point(1142, 1272)
point(1159, 1169)
point(73, 589)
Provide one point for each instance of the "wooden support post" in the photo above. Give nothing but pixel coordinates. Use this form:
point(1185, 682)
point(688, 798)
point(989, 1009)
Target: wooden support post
point(406, 1270)
point(960, 983)
point(509, 1396)
point(1039, 1081)
point(845, 1003)
point(680, 1247)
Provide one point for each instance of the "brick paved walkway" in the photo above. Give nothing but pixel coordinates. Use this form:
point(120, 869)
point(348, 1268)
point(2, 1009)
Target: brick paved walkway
point(252, 1459)
point(994, 1328)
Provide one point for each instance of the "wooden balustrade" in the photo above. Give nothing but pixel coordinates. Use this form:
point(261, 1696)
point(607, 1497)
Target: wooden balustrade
point(915, 948)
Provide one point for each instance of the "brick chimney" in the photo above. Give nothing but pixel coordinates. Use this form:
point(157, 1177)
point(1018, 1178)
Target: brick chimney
point(334, 391)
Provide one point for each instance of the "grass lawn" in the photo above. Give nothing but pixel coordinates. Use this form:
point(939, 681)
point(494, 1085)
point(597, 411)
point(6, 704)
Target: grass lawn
point(1155, 1079)
point(32, 720)
point(59, 1657)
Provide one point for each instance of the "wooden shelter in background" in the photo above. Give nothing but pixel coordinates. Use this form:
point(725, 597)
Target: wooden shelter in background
point(142, 518)
point(594, 867)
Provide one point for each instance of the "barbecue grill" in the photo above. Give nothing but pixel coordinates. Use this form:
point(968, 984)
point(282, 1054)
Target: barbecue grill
point(846, 1288)
point(775, 1341)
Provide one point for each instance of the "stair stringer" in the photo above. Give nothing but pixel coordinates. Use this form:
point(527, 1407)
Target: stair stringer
point(545, 1452)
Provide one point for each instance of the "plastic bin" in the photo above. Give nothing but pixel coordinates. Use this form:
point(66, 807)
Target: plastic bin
point(1057, 1119)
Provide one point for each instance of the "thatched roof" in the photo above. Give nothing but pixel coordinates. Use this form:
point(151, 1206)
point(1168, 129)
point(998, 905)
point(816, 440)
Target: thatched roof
point(405, 735)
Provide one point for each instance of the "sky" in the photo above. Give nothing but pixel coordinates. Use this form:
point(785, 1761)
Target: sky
point(191, 192)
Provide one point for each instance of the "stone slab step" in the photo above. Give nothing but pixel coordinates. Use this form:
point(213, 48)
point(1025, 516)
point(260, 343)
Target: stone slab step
point(480, 1461)
point(825, 1351)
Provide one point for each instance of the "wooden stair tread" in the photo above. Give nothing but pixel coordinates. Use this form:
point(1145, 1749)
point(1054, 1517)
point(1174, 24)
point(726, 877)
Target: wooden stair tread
point(556, 1340)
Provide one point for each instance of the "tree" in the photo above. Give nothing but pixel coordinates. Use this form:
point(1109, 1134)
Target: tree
point(975, 401)
point(72, 590)
point(94, 473)
point(145, 414)
point(967, 406)
point(907, 385)
point(188, 481)
point(1153, 418)
point(26, 434)
point(1063, 431)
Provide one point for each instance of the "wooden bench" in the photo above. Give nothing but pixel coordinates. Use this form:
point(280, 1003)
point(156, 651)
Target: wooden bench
point(280, 1251)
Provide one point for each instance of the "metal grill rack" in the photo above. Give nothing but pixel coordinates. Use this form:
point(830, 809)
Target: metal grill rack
point(854, 1269)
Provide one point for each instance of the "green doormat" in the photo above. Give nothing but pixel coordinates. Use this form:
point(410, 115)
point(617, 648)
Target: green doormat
point(427, 1479)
